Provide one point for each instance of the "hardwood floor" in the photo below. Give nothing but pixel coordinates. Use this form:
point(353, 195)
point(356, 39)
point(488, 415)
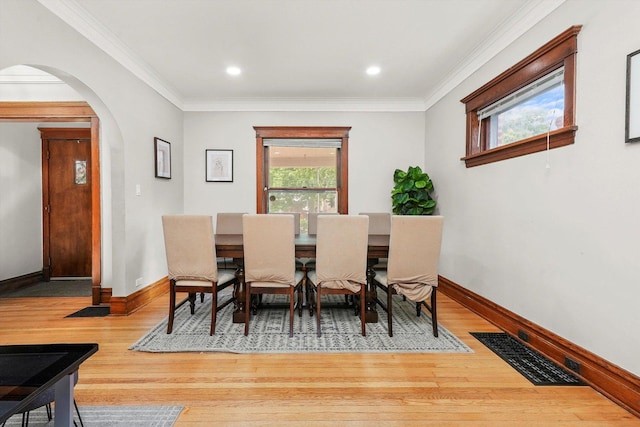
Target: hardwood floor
point(476, 389)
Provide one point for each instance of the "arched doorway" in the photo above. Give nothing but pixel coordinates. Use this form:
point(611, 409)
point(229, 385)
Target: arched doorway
point(40, 112)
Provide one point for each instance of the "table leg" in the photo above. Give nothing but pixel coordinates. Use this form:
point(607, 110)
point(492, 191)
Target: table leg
point(371, 315)
point(64, 402)
point(239, 296)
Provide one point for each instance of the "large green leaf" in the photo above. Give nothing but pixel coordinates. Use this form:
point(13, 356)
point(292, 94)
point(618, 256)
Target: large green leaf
point(407, 185)
point(399, 175)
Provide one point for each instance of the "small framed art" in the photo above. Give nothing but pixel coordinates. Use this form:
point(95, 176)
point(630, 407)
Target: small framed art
point(162, 158)
point(632, 123)
point(81, 172)
point(219, 165)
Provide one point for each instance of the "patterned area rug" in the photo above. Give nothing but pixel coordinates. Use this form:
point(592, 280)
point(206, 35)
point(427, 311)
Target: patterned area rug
point(269, 332)
point(109, 416)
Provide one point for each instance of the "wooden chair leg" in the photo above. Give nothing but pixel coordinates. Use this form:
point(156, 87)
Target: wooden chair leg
point(318, 294)
point(363, 320)
point(172, 306)
point(247, 307)
point(214, 309)
point(356, 307)
point(192, 302)
point(389, 311)
point(434, 314)
point(291, 309)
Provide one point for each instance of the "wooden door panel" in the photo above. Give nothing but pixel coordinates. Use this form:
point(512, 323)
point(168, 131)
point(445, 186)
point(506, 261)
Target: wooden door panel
point(69, 212)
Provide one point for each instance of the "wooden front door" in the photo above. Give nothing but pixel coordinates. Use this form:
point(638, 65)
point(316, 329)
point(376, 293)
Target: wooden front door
point(66, 196)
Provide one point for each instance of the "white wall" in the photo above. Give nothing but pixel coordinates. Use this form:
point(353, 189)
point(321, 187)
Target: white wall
point(374, 153)
point(20, 200)
point(131, 115)
point(557, 246)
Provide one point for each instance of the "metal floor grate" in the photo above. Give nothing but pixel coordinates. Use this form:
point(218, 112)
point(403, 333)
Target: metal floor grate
point(531, 364)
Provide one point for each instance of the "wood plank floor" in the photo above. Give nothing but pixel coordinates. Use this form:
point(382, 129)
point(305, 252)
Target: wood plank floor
point(476, 389)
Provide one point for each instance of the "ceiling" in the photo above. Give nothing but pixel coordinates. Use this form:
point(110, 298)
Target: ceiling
point(302, 54)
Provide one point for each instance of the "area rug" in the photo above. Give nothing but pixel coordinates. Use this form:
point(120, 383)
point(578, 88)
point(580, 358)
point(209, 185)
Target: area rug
point(54, 288)
point(92, 311)
point(109, 416)
point(269, 332)
point(532, 365)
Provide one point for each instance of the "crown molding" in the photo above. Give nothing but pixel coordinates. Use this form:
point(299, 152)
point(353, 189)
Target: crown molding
point(79, 19)
point(29, 79)
point(513, 27)
point(308, 104)
point(510, 30)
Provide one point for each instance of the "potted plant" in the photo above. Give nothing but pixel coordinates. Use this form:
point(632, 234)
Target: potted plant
point(411, 194)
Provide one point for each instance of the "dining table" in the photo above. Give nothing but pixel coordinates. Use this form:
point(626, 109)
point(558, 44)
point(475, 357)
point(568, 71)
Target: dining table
point(231, 246)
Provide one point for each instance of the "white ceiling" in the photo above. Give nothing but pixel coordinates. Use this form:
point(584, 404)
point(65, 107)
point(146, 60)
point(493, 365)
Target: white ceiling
point(302, 54)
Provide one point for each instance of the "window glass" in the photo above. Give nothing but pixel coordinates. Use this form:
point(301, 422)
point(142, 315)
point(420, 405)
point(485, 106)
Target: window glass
point(300, 167)
point(540, 112)
point(302, 179)
point(302, 201)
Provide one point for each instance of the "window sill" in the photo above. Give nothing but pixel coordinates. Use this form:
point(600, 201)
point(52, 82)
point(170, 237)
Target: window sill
point(557, 138)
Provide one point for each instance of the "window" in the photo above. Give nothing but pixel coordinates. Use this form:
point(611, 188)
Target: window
point(302, 169)
point(535, 109)
point(526, 109)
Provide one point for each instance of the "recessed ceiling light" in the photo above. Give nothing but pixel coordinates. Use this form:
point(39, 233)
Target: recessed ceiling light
point(374, 70)
point(234, 71)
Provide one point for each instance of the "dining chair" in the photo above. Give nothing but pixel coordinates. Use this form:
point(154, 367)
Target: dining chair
point(191, 262)
point(341, 260)
point(229, 223)
point(412, 270)
point(312, 227)
point(312, 221)
point(379, 224)
point(269, 261)
point(300, 262)
point(296, 220)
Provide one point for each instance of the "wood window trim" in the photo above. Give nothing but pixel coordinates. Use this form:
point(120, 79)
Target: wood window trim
point(302, 132)
point(559, 52)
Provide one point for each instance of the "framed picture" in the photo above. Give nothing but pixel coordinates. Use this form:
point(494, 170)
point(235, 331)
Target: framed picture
point(219, 165)
point(162, 158)
point(632, 126)
point(81, 172)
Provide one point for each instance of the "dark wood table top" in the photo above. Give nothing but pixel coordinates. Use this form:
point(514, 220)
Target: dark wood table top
point(230, 246)
point(28, 370)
